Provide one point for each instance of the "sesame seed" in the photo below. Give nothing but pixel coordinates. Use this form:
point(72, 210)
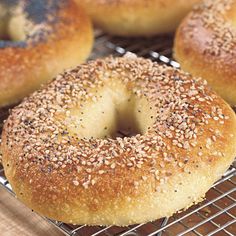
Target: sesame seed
point(113, 165)
point(144, 178)
point(100, 172)
point(75, 182)
point(200, 154)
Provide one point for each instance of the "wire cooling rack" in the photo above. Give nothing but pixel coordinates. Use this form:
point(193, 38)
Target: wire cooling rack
point(214, 216)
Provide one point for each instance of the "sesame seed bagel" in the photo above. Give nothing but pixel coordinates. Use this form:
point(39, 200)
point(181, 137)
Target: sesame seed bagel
point(64, 159)
point(137, 17)
point(40, 39)
point(205, 45)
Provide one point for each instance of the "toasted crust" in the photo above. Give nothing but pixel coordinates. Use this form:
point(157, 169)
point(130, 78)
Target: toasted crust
point(24, 68)
point(137, 17)
point(205, 46)
point(187, 142)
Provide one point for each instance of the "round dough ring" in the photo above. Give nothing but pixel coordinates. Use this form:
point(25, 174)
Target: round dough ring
point(63, 159)
point(45, 37)
point(205, 45)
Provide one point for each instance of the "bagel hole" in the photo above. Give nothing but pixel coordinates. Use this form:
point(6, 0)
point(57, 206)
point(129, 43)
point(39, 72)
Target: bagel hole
point(125, 123)
point(4, 36)
point(116, 113)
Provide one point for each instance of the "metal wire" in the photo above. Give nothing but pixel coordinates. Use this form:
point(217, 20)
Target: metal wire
point(191, 222)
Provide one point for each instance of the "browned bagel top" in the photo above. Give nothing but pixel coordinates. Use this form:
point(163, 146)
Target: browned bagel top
point(210, 30)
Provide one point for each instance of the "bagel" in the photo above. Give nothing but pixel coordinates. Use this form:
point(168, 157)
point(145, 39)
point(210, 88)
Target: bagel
point(40, 39)
point(205, 45)
point(64, 159)
point(137, 17)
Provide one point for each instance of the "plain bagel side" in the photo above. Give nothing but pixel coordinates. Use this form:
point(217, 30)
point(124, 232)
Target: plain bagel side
point(64, 160)
point(137, 17)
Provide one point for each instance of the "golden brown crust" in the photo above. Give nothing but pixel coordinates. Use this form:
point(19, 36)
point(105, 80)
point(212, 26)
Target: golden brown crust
point(187, 142)
point(137, 17)
point(205, 46)
point(24, 69)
